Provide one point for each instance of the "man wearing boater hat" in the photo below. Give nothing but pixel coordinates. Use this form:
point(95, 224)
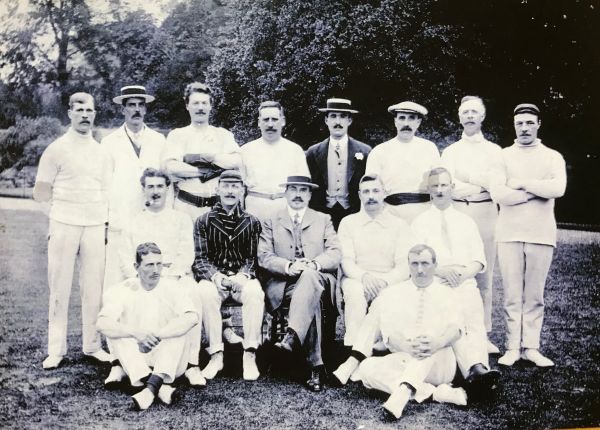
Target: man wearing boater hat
point(337, 164)
point(133, 147)
point(404, 162)
point(532, 176)
point(300, 253)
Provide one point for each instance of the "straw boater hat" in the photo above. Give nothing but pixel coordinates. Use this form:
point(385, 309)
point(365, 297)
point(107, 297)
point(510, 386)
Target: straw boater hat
point(133, 91)
point(338, 105)
point(299, 180)
point(408, 107)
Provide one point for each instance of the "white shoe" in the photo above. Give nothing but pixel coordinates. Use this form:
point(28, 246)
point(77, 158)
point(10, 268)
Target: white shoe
point(165, 394)
point(251, 372)
point(214, 366)
point(195, 377)
point(510, 357)
point(52, 362)
point(101, 356)
point(491, 348)
point(380, 346)
point(345, 370)
point(231, 336)
point(143, 399)
point(446, 394)
point(537, 358)
point(116, 375)
point(397, 401)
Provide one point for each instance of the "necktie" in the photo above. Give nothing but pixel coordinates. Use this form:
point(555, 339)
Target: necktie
point(445, 233)
point(298, 252)
point(337, 150)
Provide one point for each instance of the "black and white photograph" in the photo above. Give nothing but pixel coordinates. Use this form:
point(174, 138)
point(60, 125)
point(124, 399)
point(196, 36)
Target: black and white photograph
point(299, 214)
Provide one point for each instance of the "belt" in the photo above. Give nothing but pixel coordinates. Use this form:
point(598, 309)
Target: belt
point(274, 196)
point(197, 201)
point(468, 202)
point(404, 198)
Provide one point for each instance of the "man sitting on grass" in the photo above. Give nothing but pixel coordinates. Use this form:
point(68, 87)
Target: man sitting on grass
point(145, 321)
point(418, 321)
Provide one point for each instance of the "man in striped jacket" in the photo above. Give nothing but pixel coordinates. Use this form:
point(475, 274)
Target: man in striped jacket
point(226, 240)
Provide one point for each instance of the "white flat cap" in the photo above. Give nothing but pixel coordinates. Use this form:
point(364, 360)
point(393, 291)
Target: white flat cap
point(409, 107)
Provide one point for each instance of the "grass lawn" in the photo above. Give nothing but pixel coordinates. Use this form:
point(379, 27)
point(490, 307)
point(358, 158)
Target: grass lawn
point(73, 395)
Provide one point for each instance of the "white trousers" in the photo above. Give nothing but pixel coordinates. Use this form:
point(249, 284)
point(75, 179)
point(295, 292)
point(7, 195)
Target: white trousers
point(252, 299)
point(409, 211)
point(112, 271)
point(485, 215)
point(66, 245)
point(388, 372)
point(355, 308)
point(524, 267)
point(263, 208)
point(189, 285)
point(168, 358)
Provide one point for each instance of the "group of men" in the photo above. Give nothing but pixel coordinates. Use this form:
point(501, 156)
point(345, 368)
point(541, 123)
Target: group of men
point(171, 228)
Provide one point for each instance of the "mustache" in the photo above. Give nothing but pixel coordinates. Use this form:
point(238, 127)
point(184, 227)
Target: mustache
point(371, 201)
point(85, 121)
point(297, 199)
point(136, 115)
point(337, 126)
point(406, 128)
point(198, 112)
point(270, 129)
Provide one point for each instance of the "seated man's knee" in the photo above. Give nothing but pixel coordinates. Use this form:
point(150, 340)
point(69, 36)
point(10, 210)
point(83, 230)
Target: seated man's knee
point(254, 291)
point(351, 288)
point(208, 291)
point(310, 275)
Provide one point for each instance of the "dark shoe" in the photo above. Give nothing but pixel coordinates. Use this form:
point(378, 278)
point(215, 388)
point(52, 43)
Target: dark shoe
point(481, 381)
point(314, 383)
point(290, 341)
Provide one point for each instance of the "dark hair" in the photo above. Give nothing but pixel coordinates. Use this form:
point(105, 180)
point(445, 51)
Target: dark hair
point(124, 101)
point(145, 249)
point(368, 177)
point(80, 97)
point(196, 87)
point(151, 172)
point(418, 249)
point(438, 171)
point(271, 104)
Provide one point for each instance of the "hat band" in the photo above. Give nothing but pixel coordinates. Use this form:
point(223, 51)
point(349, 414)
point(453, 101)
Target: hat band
point(337, 105)
point(527, 110)
point(131, 91)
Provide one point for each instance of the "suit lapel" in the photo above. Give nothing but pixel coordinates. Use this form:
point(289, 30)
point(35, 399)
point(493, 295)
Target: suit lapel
point(352, 150)
point(215, 222)
point(285, 221)
point(322, 152)
point(308, 219)
point(244, 222)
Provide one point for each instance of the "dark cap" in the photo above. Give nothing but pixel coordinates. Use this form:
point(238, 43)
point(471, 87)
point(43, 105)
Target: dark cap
point(231, 176)
point(527, 108)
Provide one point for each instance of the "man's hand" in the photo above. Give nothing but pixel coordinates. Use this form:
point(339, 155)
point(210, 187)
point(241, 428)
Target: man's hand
point(222, 282)
point(425, 346)
point(296, 268)
point(450, 275)
point(372, 285)
point(237, 282)
point(146, 341)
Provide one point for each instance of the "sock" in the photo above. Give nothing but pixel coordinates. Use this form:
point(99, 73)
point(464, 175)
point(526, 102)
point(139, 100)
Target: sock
point(154, 383)
point(190, 365)
point(358, 355)
point(115, 362)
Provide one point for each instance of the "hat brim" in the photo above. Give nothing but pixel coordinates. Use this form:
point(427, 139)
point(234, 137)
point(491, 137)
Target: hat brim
point(337, 110)
point(308, 184)
point(394, 111)
point(147, 97)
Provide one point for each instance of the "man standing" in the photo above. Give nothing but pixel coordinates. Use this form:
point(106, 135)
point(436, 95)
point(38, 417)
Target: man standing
point(145, 321)
point(533, 175)
point(337, 164)
point(460, 256)
point(133, 147)
point(403, 162)
point(172, 231)
point(197, 154)
point(374, 246)
point(419, 321)
point(226, 240)
point(300, 252)
point(268, 161)
point(472, 162)
point(74, 176)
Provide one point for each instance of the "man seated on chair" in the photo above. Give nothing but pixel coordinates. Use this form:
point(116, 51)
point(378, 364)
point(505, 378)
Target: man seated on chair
point(226, 240)
point(375, 244)
point(146, 321)
point(418, 321)
point(300, 252)
point(171, 230)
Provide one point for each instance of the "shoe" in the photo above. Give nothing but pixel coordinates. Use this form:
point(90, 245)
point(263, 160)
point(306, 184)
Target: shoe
point(116, 375)
point(446, 394)
point(314, 383)
point(52, 362)
point(231, 336)
point(290, 341)
point(195, 377)
point(251, 372)
point(143, 399)
point(491, 348)
point(346, 369)
point(165, 393)
point(380, 346)
point(481, 381)
point(214, 366)
point(395, 404)
point(101, 356)
point(535, 356)
point(510, 357)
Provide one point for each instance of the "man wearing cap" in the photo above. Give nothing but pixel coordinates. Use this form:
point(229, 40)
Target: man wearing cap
point(532, 176)
point(195, 155)
point(268, 161)
point(300, 254)
point(74, 176)
point(404, 161)
point(133, 147)
point(337, 164)
point(472, 162)
point(226, 240)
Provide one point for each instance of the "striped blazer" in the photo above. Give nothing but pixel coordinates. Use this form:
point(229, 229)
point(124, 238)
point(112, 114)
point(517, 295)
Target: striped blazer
point(219, 251)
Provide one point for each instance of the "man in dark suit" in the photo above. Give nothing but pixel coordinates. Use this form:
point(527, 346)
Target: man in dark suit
point(226, 240)
point(300, 253)
point(337, 164)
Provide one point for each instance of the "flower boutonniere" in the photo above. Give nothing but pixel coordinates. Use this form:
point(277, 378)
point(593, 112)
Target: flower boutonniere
point(359, 156)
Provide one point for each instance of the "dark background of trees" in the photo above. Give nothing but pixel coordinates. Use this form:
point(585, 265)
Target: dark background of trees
point(302, 52)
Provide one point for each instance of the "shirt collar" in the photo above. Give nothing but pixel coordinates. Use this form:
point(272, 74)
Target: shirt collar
point(382, 218)
point(132, 133)
point(343, 141)
point(292, 213)
point(531, 145)
point(477, 137)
